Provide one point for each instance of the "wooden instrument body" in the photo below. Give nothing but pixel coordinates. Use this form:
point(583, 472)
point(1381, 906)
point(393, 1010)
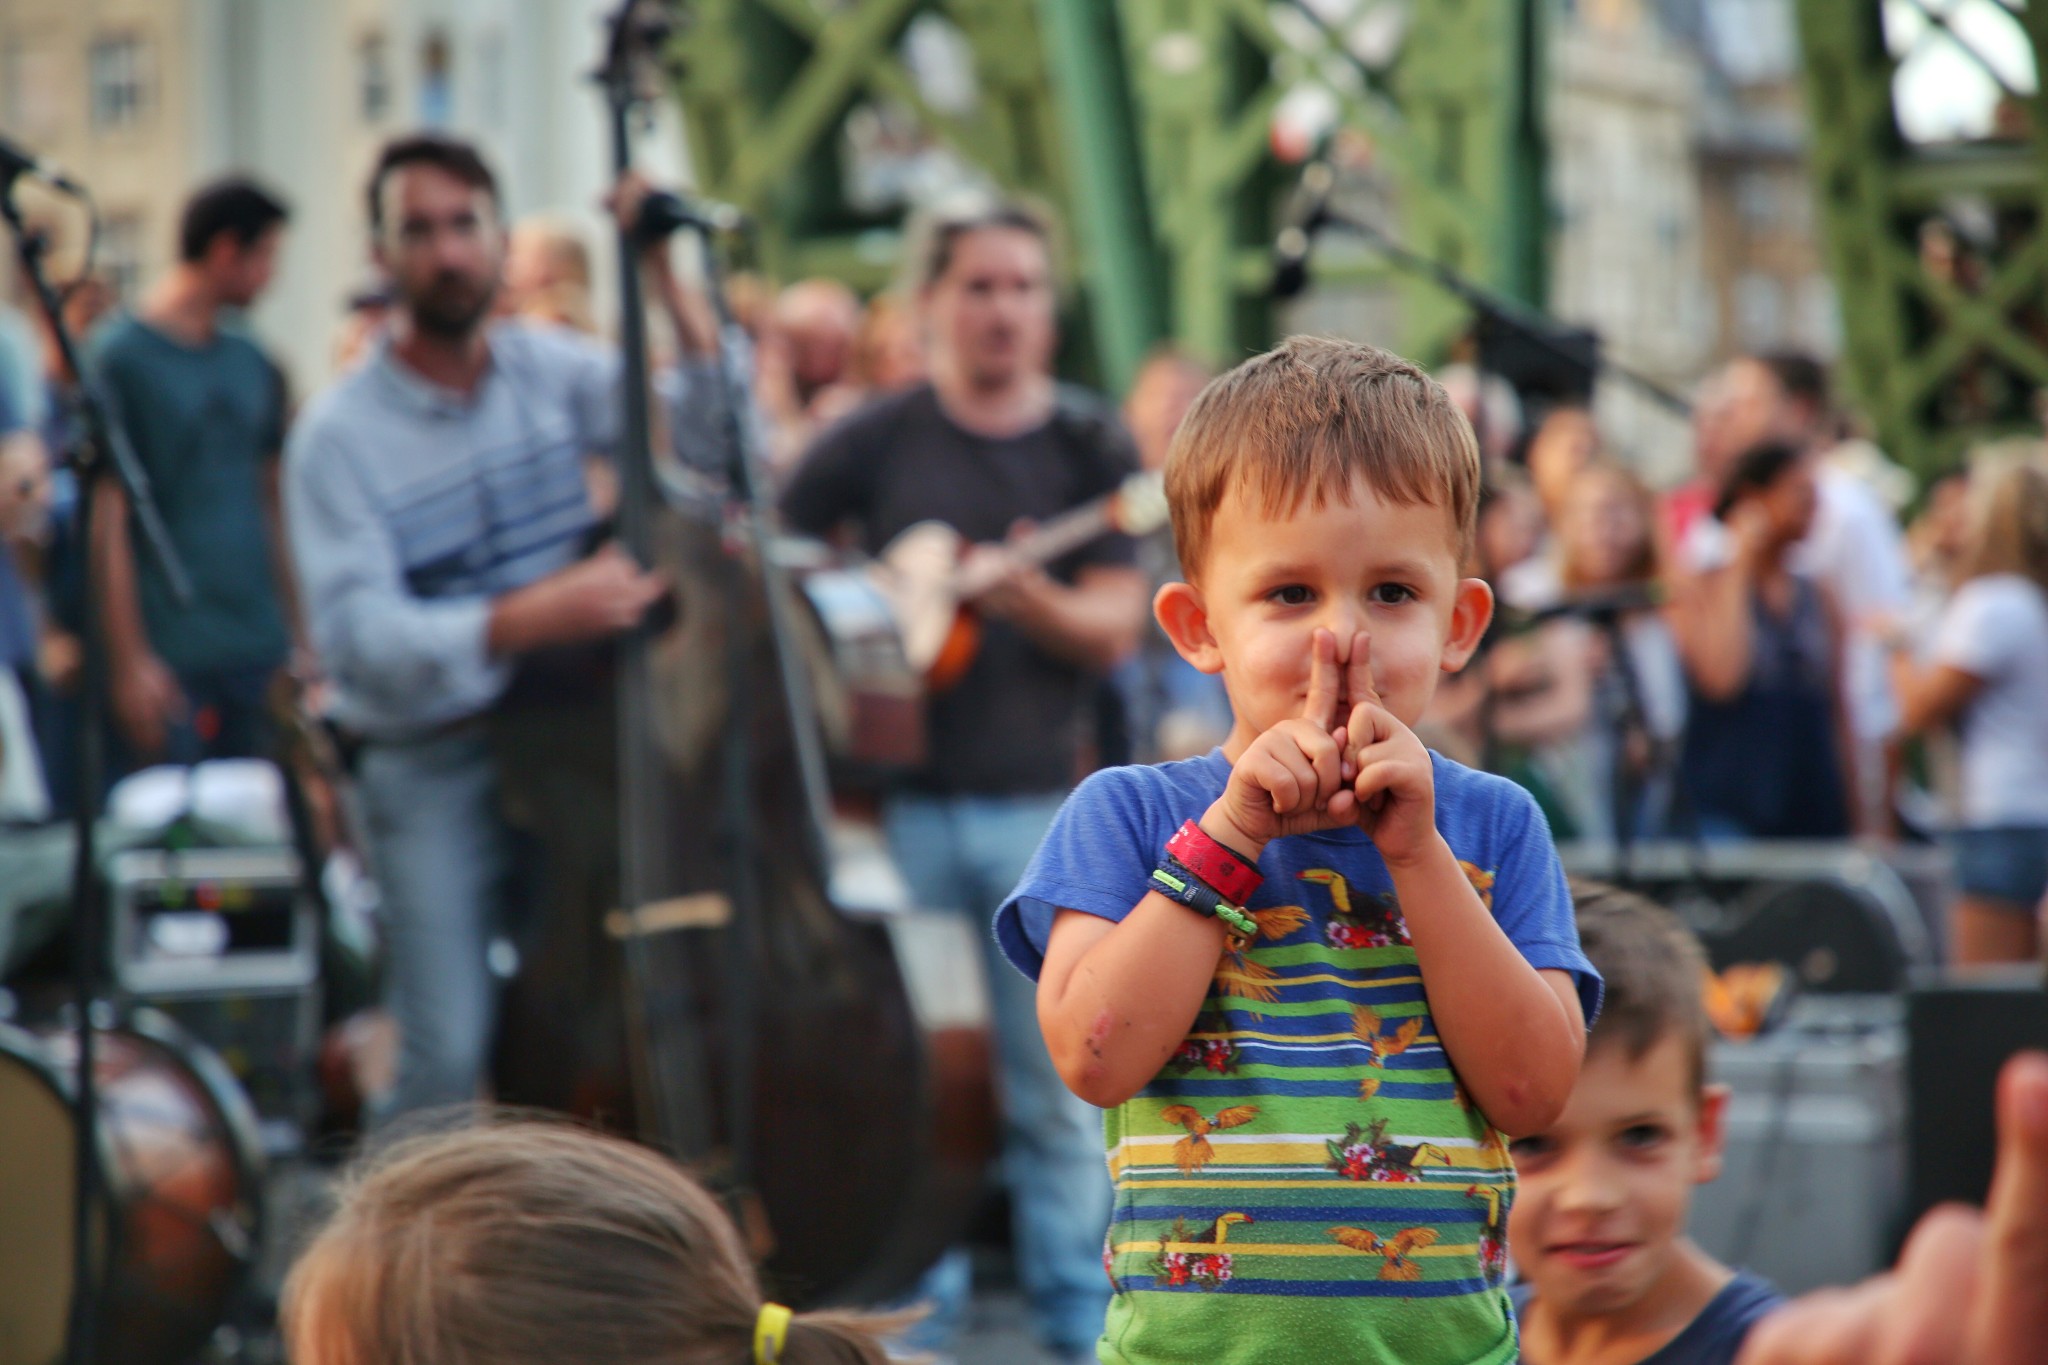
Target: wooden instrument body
point(845, 1046)
point(808, 1061)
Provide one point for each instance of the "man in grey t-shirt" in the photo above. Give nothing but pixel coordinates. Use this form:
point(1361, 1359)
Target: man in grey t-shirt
point(439, 517)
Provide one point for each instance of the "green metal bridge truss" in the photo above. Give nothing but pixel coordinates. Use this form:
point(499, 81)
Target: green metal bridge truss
point(1147, 125)
point(1938, 251)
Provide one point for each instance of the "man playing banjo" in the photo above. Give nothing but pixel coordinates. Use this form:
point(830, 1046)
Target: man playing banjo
point(991, 442)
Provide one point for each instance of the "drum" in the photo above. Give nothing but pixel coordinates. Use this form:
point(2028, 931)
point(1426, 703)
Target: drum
point(180, 1183)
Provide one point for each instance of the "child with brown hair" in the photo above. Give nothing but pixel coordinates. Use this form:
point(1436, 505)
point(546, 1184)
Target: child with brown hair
point(540, 1243)
point(1316, 974)
point(1598, 1227)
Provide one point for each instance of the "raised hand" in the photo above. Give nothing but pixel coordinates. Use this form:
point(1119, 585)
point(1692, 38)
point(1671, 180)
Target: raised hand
point(1970, 1289)
point(1392, 781)
point(1291, 779)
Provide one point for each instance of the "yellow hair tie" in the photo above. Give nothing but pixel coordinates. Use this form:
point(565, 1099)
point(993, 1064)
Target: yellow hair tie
point(771, 1334)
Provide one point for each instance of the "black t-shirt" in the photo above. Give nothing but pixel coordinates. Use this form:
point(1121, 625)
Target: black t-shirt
point(1715, 1337)
point(1013, 724)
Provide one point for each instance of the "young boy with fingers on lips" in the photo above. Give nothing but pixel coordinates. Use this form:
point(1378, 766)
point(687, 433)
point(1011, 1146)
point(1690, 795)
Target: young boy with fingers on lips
point(1320, 975)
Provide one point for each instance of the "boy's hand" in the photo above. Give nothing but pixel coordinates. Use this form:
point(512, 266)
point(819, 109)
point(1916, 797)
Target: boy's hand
point(1392, 779)
point(1293, 778)
point(1970, 1288)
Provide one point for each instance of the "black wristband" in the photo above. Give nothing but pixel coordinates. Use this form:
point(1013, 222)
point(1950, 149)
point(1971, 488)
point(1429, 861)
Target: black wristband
point(1173, 880)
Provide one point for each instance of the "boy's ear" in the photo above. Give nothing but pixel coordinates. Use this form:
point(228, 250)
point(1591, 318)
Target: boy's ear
point(1471, 613)
point(1179, 609)
point(1712, 1133)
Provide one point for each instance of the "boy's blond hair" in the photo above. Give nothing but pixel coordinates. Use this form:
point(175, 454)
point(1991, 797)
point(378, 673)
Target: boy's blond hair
point(1306, 419)
point(1652, 971)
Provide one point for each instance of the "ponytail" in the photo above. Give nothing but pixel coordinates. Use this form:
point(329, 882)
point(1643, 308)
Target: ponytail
point(842, 1338)
point(522, 1242)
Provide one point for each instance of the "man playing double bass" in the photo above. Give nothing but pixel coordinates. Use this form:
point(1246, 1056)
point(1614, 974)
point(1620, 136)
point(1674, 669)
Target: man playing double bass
point(989, 442)
point(440, 521)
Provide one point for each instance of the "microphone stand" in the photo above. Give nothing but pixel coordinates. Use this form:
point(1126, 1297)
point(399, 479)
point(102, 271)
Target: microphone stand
point(1532, 325)
point(638, 30)
point(670, 1081)
point(1631, 724)
point(101, 446)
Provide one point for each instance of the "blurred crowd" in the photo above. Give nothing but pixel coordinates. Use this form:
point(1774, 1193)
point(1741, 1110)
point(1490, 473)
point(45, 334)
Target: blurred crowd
point(1799, 641)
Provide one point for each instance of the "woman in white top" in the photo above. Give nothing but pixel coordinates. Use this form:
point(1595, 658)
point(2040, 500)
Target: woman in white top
point(1988, 676)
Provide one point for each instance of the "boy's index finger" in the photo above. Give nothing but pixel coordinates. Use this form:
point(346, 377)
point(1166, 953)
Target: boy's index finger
point(1320, 706)
point(1358, 672)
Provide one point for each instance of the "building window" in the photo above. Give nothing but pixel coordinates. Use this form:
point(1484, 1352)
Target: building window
point(1753, 42)
point(120, 80)
point(1756, 199)
point(1760, 311)
point(437, 82)
point(373, 77)
point(119, 255)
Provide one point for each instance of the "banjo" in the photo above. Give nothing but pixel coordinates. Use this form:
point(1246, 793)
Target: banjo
point(932, 594)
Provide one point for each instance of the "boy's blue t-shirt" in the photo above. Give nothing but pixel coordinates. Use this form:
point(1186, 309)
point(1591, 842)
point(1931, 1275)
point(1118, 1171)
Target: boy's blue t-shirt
point(1716, 1336)
point(1101, 849)
point(1306, 1174)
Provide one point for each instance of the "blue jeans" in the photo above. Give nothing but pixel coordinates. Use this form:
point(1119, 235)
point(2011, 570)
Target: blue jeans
point(965, 854)
point(440, 850)
point(2003, 862)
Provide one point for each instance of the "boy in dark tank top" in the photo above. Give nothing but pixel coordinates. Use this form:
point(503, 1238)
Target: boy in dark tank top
point(1598, 1227)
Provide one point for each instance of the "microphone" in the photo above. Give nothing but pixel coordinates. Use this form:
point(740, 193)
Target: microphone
point(17, 161)
point(663, 212)
point(1307, 210)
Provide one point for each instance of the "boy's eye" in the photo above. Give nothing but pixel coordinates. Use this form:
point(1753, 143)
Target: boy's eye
point(1393, 594)
point(1642, 1136)
point(1293, 595)
point(1531, 1148)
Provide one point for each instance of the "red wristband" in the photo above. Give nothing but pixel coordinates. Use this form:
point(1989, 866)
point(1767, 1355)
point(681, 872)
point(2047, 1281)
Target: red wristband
point(1223, 868)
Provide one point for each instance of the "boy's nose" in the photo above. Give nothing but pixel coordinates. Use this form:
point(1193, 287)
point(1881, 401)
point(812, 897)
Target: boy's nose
point(1343, 618)
point(1587, 1189)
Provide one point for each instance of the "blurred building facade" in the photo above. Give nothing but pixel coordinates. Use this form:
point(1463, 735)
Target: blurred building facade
point(145, 99)
point(1683, 222)
point(1683, 225)
point(1764, 259)
point(1628, 252)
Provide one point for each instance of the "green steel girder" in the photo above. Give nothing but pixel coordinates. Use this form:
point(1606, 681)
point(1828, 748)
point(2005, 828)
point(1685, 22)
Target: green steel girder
point(768, 84)
point(1452, 118)
point(1937, 365)
point(1109, 212)
point(1161, 167)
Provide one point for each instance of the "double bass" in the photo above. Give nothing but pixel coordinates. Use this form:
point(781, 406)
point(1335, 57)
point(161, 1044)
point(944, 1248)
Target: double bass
point(717, 958)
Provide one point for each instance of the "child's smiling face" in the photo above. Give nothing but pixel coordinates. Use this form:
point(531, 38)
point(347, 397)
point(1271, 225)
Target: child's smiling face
point(1269, 582)
point(1604, 1192)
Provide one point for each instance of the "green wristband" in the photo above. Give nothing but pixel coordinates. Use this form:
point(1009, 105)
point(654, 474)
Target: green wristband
point(1183, 888)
